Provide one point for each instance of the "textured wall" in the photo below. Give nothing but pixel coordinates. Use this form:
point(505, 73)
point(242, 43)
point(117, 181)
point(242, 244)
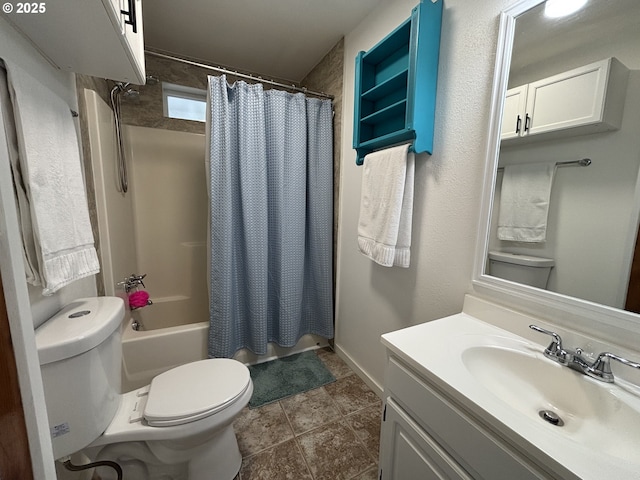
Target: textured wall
point(372, 300)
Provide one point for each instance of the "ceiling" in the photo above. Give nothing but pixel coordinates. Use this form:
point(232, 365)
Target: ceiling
point(284, 39)
point(538, 37)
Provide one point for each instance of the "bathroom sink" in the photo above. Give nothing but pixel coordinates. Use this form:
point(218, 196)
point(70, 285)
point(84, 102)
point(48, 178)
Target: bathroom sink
point(589, 411)
point(503, 380)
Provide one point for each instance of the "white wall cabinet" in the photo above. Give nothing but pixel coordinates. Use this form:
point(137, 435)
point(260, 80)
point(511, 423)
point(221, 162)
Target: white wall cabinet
point(425, 435)
point(92, 37)
point(584, 100)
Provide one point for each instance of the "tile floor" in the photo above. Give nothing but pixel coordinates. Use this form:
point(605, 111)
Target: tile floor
point(330, 433)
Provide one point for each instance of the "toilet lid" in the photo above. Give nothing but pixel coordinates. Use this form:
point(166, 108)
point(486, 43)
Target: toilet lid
point(194, 391)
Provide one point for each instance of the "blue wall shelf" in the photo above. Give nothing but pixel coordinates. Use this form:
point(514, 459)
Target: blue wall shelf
point(395, 85)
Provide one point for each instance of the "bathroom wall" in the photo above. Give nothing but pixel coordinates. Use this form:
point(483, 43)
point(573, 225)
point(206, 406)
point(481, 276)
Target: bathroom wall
point(26, 306)
point(371, 299)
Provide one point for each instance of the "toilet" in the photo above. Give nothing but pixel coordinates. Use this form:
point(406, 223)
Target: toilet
point(524, 269)
point(179, 427)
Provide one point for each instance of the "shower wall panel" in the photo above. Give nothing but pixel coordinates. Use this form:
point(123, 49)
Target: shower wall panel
point(114, 210)
point(168, 189)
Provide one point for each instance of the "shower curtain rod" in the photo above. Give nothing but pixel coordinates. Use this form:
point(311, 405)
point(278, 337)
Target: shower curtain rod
point(241, 75)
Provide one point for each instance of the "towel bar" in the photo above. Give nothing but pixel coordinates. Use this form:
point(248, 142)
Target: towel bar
point(360, 159)
point(584, 162)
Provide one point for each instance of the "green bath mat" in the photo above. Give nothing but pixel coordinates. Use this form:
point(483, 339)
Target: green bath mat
point(287, 376)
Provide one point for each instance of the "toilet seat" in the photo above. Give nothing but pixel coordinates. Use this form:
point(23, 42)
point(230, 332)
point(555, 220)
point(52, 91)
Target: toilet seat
point(194, 391)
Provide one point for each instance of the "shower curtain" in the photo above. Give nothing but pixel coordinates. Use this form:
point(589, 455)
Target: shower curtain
point(270, 161)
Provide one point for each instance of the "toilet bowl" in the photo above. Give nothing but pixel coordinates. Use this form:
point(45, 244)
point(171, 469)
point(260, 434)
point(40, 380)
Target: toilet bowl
point(180, 427)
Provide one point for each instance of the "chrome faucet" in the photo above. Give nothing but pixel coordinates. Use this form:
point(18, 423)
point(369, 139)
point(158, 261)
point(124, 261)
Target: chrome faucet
point(600, 369)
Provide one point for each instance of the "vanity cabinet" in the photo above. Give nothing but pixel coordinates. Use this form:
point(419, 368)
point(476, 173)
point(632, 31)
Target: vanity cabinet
point(102, 38)
point(584, 100)
point(428, 436)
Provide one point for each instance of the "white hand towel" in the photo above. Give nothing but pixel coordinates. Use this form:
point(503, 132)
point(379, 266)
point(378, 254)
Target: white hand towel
point(524, 202)
point(50, 166)
point(386, 206)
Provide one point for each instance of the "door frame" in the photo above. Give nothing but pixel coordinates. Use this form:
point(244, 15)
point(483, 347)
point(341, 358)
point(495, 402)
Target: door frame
point(15, 457)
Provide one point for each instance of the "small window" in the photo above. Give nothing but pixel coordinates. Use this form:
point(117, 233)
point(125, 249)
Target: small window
point(182, 102)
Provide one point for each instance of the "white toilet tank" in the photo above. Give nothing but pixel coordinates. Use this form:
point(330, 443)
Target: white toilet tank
point(80, 354)
point(525, 269)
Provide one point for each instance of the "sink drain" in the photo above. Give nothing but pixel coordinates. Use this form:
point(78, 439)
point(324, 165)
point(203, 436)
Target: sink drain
point(551, 417)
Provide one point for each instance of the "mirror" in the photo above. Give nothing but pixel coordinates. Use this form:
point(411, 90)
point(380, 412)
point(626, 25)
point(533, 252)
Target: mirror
point(593, 212)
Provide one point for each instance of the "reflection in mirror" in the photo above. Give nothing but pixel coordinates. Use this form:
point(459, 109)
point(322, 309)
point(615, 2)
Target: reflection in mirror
point(573, 93)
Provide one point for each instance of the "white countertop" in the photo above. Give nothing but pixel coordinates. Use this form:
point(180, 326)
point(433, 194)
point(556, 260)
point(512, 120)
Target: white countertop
point(434, 350)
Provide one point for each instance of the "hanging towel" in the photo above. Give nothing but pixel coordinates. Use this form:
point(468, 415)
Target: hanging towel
point(386, 206)
point(29, 256)
point(524, 202)
point(49, 163)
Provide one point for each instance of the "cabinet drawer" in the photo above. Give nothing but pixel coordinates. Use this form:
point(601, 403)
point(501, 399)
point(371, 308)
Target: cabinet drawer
point(478, 451)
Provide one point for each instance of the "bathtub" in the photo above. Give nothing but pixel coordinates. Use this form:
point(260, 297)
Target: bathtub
point(146, 354)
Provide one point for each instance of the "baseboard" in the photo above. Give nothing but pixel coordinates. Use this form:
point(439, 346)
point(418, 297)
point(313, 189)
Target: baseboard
point(373, 385)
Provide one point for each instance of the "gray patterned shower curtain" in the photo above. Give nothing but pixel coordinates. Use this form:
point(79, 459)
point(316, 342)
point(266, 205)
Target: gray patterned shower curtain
point(270, 159)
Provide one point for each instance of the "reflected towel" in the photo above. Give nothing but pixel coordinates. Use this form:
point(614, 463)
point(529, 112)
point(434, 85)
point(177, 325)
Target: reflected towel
point(524, 202)
point(49, 160)
point(386, 206)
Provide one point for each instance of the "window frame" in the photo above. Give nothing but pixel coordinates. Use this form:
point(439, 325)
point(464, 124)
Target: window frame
point(182, 92)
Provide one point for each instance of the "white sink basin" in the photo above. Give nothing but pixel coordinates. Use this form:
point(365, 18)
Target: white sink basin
point(592, 411)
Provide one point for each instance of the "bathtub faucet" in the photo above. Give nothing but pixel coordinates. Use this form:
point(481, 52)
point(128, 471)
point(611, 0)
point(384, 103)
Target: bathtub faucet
point(132, 282)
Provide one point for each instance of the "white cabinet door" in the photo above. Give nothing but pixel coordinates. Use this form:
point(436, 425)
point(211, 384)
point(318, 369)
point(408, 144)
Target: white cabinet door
point(409, 453)
point(567, 100)
point(514, 112)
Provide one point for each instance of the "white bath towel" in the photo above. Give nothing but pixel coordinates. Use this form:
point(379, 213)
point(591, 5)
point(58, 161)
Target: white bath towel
point(524, 202)
point(29, 256)
point(386, 206)
point(49, 161)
